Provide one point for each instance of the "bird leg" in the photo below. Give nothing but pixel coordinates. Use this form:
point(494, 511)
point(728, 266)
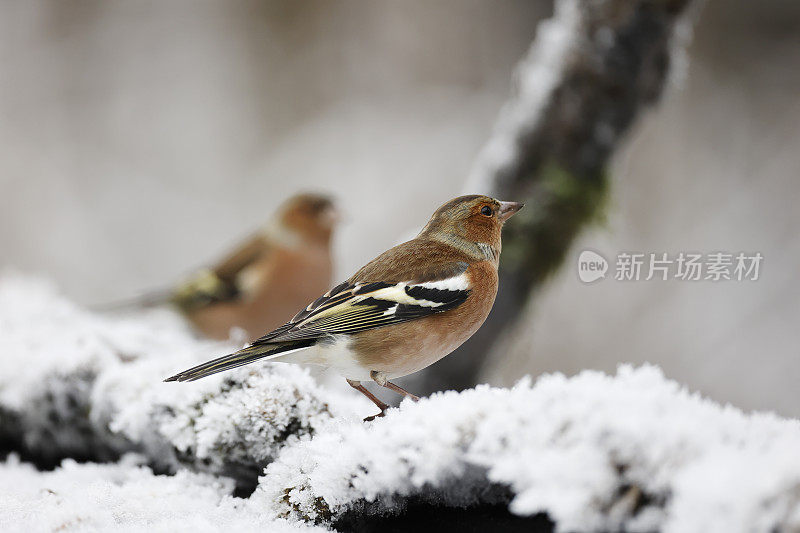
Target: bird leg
point(380, 379)
point(363, 390)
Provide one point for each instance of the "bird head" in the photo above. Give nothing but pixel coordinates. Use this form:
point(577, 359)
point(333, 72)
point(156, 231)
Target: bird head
point(311, 217)
point(471, 222)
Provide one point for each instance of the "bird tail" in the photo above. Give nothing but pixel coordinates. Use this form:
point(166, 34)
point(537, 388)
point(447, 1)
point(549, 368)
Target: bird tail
point(142, 301)
point(244, 356)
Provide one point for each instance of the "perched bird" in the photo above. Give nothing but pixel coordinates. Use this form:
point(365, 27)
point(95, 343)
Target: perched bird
point(265, 279)
point(402, 311)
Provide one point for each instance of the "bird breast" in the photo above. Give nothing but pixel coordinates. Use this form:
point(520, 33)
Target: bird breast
point(405, 348)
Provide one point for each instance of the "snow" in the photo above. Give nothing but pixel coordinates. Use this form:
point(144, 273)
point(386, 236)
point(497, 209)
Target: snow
point(537, 75)
point(632, 451)
point(77, 382)
point(125, 497)
point(680, 40)
point(571, 447)
point(561, 40)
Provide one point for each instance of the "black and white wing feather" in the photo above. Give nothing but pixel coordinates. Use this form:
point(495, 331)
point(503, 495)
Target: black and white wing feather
point(349, 308)
point(352, 307)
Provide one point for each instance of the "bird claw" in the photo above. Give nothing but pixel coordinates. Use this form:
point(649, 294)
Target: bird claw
point(373, 417)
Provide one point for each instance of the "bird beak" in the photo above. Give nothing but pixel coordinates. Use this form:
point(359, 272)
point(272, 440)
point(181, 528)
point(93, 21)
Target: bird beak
point(332, 216)
point(507, 210)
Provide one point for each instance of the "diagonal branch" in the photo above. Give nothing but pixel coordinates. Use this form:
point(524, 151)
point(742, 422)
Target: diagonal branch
point(594, 67)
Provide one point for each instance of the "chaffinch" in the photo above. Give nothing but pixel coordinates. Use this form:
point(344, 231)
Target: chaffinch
point(265, 279)
point(402, 311)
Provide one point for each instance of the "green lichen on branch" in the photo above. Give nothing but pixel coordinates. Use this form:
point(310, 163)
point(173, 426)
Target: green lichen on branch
point(563, 203)
point(594, 68)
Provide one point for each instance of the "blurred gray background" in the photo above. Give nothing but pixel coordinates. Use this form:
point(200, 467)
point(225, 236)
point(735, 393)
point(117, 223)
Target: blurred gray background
point(138, 140)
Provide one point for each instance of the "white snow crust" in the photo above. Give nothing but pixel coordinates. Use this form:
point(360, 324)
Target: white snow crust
point(125, 497)
point(633, 451)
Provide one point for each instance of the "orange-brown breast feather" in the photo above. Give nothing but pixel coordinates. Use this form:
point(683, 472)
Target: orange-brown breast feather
point(410, 346)
point(405, 348)
point(285, 280)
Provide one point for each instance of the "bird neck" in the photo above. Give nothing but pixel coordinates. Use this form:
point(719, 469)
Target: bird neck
point(278, 234)
point(479, 251)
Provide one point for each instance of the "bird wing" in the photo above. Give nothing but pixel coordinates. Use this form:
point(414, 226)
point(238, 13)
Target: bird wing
point(242, 257)
point(223, 282)
point(355, 306)
point(410, 281)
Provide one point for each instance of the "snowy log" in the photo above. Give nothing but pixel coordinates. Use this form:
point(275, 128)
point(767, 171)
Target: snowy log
point(80, 385)
point(593, 69)
point(632, 452)
point(125, 496)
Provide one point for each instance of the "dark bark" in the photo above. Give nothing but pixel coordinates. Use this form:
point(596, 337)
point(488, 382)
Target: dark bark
point(615, 67)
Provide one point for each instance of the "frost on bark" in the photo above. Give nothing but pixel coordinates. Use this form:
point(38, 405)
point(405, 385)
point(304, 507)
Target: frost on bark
point(594, 67)
point(87, 387)
point(629, 452)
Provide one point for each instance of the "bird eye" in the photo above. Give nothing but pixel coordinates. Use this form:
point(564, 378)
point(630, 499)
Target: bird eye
point(486, 211)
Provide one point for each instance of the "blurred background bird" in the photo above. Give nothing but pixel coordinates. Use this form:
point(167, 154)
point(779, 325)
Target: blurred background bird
point(261, 283)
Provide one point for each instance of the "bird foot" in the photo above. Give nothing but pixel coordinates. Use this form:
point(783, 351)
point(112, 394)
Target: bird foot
point(373, 417)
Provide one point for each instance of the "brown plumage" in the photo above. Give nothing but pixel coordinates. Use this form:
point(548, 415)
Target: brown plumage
point(401, 349)
point(403, 311)
point(263, 281)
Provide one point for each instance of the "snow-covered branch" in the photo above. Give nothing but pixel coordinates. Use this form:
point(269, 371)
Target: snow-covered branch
point(632, 452)
point(126, 496)
point(592, 70)
point(75, 384)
